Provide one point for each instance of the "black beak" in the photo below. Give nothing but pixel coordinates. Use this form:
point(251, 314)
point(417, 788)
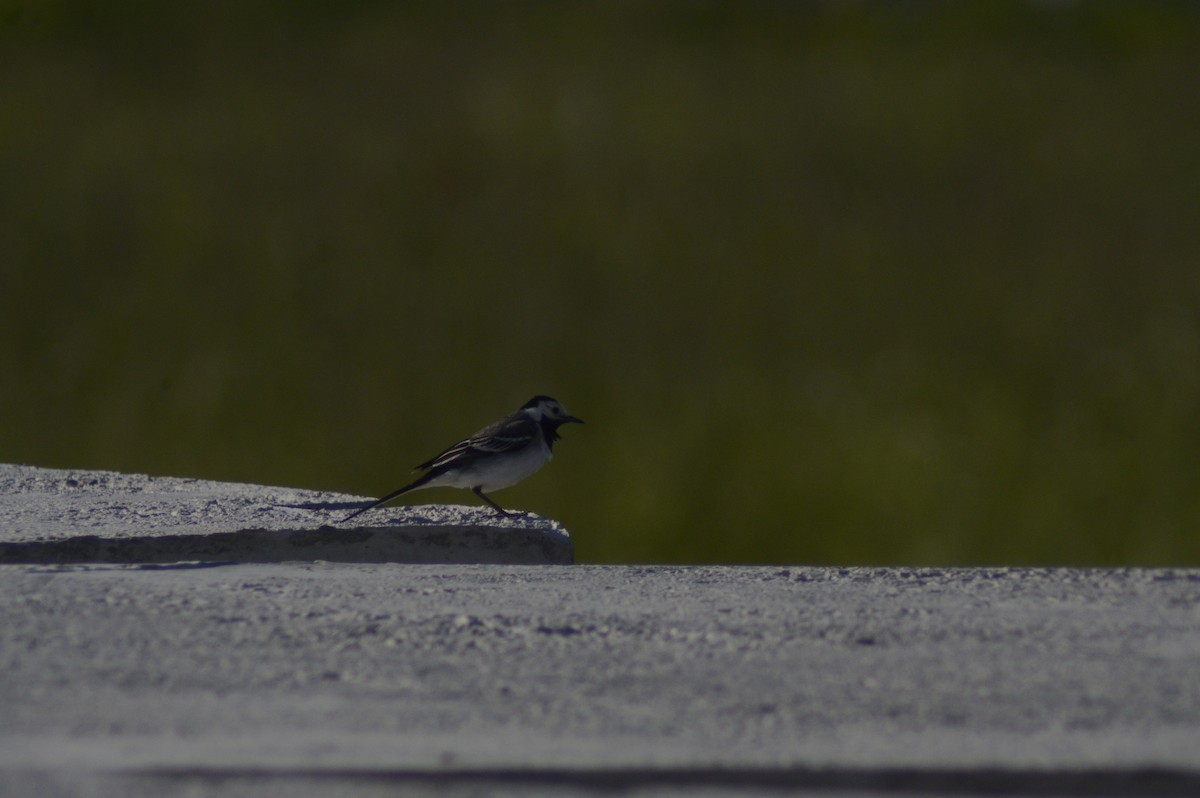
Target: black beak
point(572, 419)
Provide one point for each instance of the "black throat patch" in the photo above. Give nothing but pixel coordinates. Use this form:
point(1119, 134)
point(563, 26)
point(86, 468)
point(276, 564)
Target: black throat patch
point(549, 430)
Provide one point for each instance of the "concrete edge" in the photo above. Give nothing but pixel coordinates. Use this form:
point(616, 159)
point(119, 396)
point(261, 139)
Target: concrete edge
point(442, 545)
point(50, 516)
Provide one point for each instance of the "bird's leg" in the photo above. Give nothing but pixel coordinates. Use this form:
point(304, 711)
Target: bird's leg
point(478, 491)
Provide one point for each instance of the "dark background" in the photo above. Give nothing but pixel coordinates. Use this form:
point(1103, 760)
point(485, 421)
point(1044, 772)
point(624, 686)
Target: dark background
point(830, 282)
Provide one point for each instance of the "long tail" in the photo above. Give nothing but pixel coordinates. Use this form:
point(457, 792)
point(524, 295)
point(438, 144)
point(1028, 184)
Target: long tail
point(421, 480)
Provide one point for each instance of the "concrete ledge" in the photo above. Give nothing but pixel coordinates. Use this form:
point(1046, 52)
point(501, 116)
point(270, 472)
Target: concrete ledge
point(718, 780)
point(67, 516)
point(323, 679)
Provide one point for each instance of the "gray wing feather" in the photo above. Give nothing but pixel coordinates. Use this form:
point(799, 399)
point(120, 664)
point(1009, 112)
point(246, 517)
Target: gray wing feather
point(506, 435)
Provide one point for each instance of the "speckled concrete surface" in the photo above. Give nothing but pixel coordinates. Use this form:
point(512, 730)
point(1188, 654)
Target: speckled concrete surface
point(329, 679)
point(180, 676)
point(65, 516)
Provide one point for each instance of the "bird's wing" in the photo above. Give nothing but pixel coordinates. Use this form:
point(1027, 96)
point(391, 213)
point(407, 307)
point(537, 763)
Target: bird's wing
point(505, 435)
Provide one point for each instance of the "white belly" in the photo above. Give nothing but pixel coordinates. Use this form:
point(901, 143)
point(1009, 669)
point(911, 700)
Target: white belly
point(494, 474)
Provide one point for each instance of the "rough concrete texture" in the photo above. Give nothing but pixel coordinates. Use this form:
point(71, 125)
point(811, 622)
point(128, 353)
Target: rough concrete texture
point(334, 678)
point(339, 679)
point(62, 516)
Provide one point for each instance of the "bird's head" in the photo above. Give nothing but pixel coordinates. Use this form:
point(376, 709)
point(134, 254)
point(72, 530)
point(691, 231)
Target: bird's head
point(544, 408)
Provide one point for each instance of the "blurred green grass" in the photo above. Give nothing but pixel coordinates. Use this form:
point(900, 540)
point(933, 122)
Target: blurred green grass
point(830, 282)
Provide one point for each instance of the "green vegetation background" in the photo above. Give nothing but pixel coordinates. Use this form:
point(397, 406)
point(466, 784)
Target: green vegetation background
point(830, 282)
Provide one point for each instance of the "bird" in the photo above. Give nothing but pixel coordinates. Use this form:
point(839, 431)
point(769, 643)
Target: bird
point(499, 455)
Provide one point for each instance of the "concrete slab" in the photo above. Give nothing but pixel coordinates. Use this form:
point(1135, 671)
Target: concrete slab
point(65, 516)
point(169, 677)
point(345, 679)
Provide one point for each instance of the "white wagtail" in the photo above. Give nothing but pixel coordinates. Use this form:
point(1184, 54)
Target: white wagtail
point(497, 456)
